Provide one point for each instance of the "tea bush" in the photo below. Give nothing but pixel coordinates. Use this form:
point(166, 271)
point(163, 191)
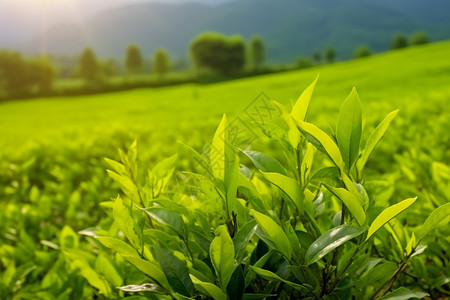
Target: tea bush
point(248, 226)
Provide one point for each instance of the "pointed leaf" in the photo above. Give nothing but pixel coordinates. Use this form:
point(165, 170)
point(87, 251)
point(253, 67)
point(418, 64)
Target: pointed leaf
point(221, 252)
point(289, 186)
point(212, 290)
point(301, 107)
point(236, 286)
point(439, 217)
point(221, 153)
point(242, 238)
point(322, 142)
point(274, 232)
point(274, 277)
point(265, 163)
point(176, 271)
point(330, 241)
point(169, 218)
point(388, 214)
point(150, 269)
point(351, 202)
point(349, 128)
point(375, 138)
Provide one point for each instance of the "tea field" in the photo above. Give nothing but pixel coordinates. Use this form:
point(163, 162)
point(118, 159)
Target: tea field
point(297, 212)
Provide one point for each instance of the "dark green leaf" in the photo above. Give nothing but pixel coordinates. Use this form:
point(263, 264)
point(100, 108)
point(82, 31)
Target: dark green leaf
point(236, 286)
point(176, 271)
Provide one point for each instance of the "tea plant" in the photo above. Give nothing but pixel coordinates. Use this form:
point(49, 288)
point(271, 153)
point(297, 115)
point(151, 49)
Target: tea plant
point(251, 227)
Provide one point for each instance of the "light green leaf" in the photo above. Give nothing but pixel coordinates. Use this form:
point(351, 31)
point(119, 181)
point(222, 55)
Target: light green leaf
point(176, 271)
point(126, 185)
point(403, 293)
point(211, 289)
point(289, 186)
point(322, 141)
point(274, 277)
point(126, 223)
point(351, 202)
point(169, 218)
point(105, 267)
point(265, 163)
point(117, 245)
point(221, 252)
point(349, 128)
point(150, 269)
point(438, 217)
point(388, 214)
point(274, 232)
point(375, 138)
point(301, 107)
point(222, 154)
point(330, 240)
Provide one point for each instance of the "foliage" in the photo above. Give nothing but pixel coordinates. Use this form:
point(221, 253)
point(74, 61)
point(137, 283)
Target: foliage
point(89, 68)
point(304, 62)
point(161, 62)
point(362, 51)
point(257, 50)
point(225, 55)
point(419, 38)
point(399, 41)
point(133, 61)
point(19, 76)
point(329, 54)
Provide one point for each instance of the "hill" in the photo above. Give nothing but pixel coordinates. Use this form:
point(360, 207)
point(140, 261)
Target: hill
point(413, 79)
point(290, 27)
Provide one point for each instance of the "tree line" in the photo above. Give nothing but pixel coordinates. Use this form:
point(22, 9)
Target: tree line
point(214, 55)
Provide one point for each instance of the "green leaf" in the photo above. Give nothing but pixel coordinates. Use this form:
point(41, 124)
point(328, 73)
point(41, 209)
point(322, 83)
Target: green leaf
point(265, 163)
point(351, 202)
point(289, 186)
point(274, 277)
point(145, 287)
point(301, 107)
point(126, 185)
point(211, 289)
point(150, 269)
point(403, 293)
point(322, 141)
point(242, 238)
point(330, 241)
point(236, 286)
point(375, 138)
point(104, 266)
point(388, 214)
point(327, 172)
point(169, 218)
point(222, 256)
point(349, 128)
point(438, 217)
point(274, 232)
point(222, 154)
point(176, 271)
point(117, 245)
point(127, 224)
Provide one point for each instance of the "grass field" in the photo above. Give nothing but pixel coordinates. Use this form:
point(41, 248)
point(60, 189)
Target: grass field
point(53, 184)
point(417, 77)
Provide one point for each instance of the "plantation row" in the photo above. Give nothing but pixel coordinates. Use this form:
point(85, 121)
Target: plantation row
point(304, 214)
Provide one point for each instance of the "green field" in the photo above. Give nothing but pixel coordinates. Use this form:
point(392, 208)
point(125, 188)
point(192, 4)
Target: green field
point(53, 181)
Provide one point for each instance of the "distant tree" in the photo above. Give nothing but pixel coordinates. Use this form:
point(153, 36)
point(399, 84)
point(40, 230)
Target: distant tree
point(161, 62)
point(109, 68)
point(362, 51)
point(89, 68)
point(419, 38)
point(304, 62)
point(317, 57)
point(257, 52)
point(21, 77)
point(222, 54)
point(330, 54)
point(133, 61)
point(41, 74)
point(399, 41)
